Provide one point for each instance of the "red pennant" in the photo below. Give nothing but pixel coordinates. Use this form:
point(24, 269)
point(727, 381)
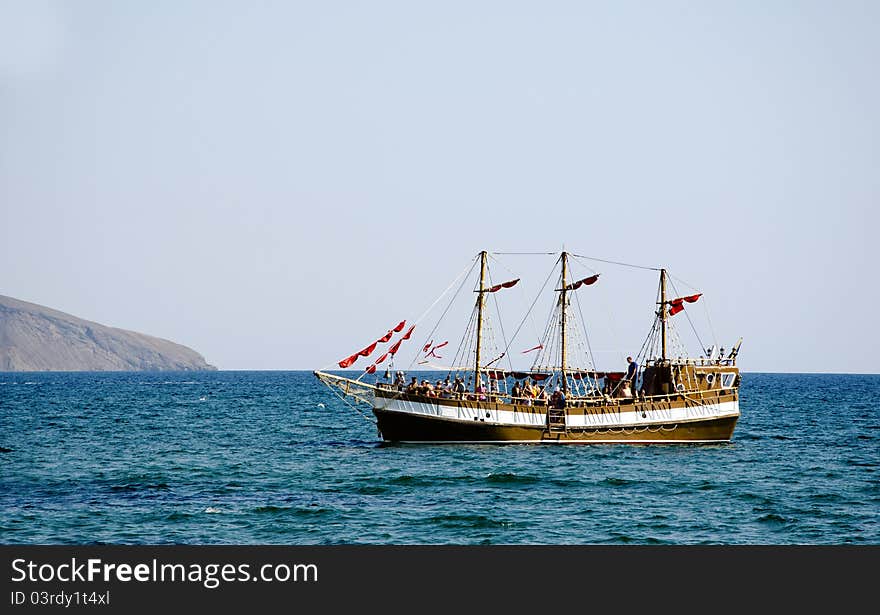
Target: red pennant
point(371, 369)
point(348, 361)
point(395, 347)
point(676, 306)
point(427, 346)
point(692, 298)
point(382, 358)
point(498, 287)
point(538, 347)
point(586, 281)
point(368, 350)
point(408, 333)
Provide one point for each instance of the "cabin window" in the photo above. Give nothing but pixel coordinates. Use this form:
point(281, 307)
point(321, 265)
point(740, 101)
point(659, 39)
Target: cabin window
point(727, 380)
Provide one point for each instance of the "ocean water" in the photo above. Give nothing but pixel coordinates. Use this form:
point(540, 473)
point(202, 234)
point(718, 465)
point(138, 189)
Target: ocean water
point(276, 458)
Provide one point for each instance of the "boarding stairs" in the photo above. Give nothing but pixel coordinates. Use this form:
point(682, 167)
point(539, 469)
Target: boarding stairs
point(556, 422)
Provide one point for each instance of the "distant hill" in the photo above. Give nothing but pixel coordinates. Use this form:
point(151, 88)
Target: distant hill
point(37, 338)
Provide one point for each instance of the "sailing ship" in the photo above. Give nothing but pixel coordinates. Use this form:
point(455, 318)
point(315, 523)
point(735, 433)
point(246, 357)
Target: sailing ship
point(659, 399)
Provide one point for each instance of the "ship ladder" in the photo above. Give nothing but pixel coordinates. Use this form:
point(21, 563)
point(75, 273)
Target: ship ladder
point(556, 422)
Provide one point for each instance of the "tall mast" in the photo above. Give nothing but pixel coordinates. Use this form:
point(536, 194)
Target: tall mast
point(480, 296)
point(663, 312)
point(563, 345)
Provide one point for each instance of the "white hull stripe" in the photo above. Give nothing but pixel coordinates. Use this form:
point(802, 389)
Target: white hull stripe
point(514, 418)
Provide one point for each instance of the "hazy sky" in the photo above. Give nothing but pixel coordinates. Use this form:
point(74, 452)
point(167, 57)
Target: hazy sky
point(276, 183)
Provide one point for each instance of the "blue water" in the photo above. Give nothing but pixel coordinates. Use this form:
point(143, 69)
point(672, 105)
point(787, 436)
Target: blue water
point(254, 458)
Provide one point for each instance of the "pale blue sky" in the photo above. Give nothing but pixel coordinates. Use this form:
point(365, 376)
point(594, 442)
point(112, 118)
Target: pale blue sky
point(275, 183)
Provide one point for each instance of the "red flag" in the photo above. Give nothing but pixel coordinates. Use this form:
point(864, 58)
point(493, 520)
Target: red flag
point(368, 350)
point(408, 333)
point(348, 361)
point(676, 306)
point(399, 326)
point(382, 358)
point(371, 369)
point(427, 346)
point(431, 353)
point(395, 347)
point(498, 287)
point(576, 285)
point(386, 337)
point(538, 347)
point(692, 298)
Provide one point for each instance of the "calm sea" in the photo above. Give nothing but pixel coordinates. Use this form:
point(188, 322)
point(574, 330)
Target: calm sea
point(276, 458)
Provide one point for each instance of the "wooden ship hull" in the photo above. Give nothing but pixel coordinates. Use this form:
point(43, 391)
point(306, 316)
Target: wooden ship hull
point(674, 419)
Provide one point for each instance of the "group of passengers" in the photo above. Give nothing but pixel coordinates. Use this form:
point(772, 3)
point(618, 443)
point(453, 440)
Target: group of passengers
point(446, 389)
point(529, 393)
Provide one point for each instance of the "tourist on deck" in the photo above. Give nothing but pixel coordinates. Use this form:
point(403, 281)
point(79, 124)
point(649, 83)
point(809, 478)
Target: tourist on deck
point(632, 371)
point(427, 388)
point(534, 391)
point(515, 392)
point(557, 400)
point(541, 398)
point(399, 381)
point(458, 386)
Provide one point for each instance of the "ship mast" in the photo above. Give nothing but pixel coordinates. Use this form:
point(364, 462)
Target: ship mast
point(563, 344)
point(663, 313)
point(481, 293)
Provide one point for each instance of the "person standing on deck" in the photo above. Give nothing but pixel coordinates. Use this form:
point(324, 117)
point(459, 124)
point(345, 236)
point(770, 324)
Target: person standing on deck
point(632, 371)
point(515, 392)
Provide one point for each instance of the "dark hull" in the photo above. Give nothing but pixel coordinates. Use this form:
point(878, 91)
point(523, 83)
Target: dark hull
point(407, 427)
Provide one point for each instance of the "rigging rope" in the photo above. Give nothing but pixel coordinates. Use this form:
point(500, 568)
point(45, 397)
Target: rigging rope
point(693, 328)
point(602, 260)
point(526, 253)
point(352, 406)
point(528, 313)
point(705, 308)
point(449, 305)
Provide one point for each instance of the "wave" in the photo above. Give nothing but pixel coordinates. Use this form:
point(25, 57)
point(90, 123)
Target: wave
point(454, 520)
point(371, 490)
point(136, 486)
point(306, 511)
point(618, 482)
point(429, 481)
point(773, 518)
point(508, 478)
point(272, 509)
